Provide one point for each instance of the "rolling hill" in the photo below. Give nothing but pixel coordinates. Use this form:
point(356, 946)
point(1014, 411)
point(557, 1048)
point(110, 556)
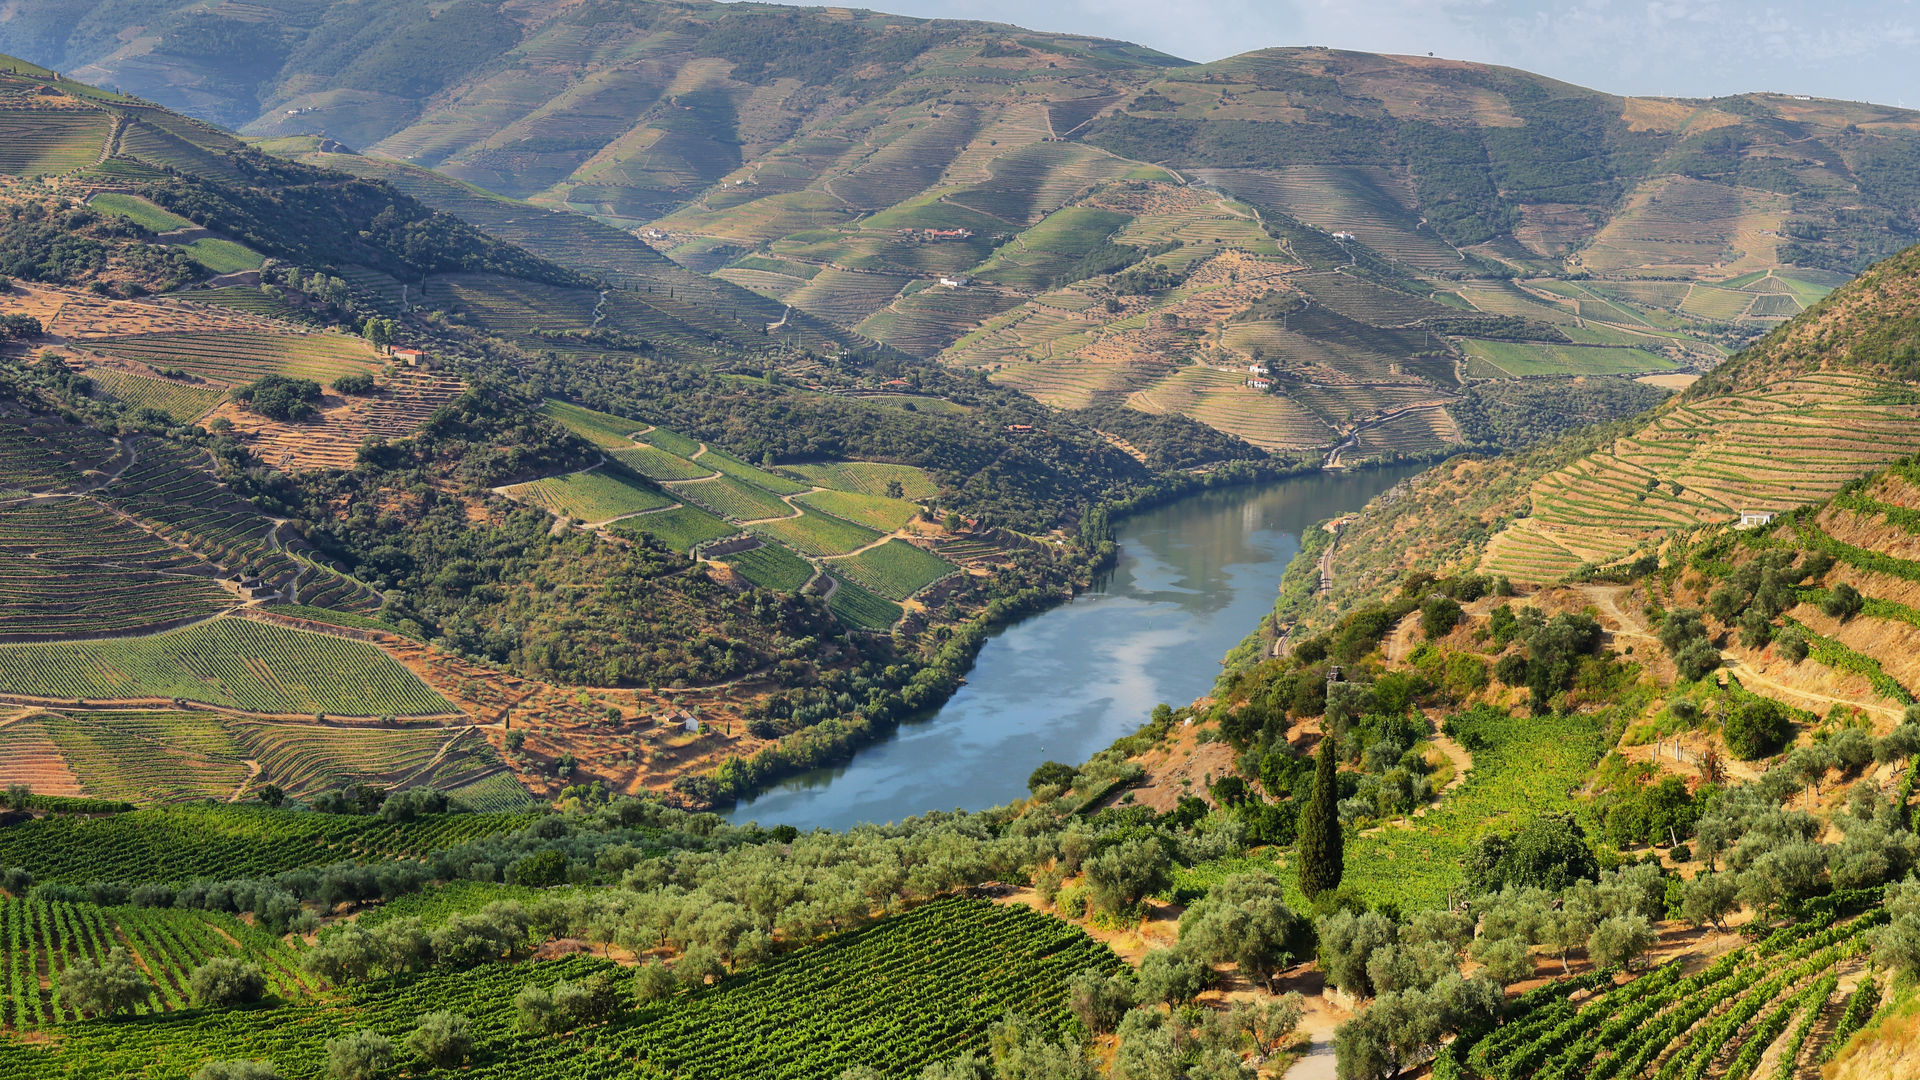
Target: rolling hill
point(1391, 238)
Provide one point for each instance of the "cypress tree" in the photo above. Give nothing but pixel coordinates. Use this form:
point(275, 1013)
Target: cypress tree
point(1321, 854)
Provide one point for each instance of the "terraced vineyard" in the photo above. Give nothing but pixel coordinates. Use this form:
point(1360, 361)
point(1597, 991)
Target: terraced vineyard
point(867, 477)
point(895, 569)
point(771, 566)
point(1669, 1024)
point(44, 454)
point(817, 534)
point(40, 141)
point(71, 568)
point(199, 840)
point(1707, 460)
point(249, 299)
point(861, 609)
point(170, 491)
point(304, 759)
point(39, 939)
point(681, 529)
point(148, 757)
point(1520, 359)
point(735, 499)
point(872, 511)
point(519, 308)
point(740, 470)
point(235, 357)
point(140, 211)
point(594, 495)
point(656, 464)
point(604, 430)
point(181, 402)
point(240, 663)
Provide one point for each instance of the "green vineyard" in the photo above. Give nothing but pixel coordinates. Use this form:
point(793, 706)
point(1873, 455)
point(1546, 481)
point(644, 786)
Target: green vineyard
point(73, 568)
point(895, 569)
point(862, 609)
point(201, 840)
point(181, 402)
point(594, 495)
point(259, 667)
point(903, 993)
point(771, 566)
point(236, 356)
point(1674, 1026)
point(41, 938)
point(680, 529)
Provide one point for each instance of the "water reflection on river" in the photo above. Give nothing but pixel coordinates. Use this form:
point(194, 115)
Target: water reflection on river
point(1192, 579)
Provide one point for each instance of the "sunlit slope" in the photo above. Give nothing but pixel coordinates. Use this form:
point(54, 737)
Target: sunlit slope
point(1816, 404)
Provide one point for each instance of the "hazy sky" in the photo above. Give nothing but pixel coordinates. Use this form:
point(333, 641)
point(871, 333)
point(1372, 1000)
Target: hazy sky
point(1859, 49)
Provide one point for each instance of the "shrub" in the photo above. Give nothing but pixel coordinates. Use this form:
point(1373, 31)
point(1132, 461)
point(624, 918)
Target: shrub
point(227, 980)
point(442, 1040)
point(104, 988)
point(1697, 659)
point(1844, 602)
point(359, 1055)
point(1757, 729)
point(541, 869)
point(1174, 976)
point(355, 383)
point(280, 398)
point(1051, 774)
point(1438, 616)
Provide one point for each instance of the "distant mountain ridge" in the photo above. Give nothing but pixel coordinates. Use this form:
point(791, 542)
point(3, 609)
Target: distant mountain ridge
point(1316, 251)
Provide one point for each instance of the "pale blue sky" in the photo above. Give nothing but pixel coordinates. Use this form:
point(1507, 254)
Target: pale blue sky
point(1858, 49)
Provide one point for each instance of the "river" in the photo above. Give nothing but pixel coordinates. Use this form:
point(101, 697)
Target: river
point(1193, 577)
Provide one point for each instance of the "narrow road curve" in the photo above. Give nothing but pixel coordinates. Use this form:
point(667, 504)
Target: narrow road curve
point(253, 773)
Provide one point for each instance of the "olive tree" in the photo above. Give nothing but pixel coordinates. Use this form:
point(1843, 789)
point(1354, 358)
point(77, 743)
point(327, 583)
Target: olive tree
point(227, 980)
point(442, 1040)
point(359, 1055)
point(104, 988)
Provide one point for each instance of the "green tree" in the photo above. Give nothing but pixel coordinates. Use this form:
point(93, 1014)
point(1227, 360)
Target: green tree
point(1620, 941)
point(1438, 616)
point(359, 1055)
point(1843, 602)
point(1244, 920)
point(1175, 976)
point(1347, 941)
point(1099, 1001)
point(654, 982)
point(1051, 774)
point(1758, 728)
point(1123, 876)
point(1322, 858)
point(1897, 944)
point(227, 980)
point(104, 988)
point(379, 332)
point(1268, 1026)
point(442, 1040)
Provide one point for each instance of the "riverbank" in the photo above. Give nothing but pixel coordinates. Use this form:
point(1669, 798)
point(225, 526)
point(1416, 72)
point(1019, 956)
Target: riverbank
point(1190, 575)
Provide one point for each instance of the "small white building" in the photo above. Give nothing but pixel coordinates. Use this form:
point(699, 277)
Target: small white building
point(1259, 383)
point(411, 357)
point(955, 282)
point(1256, 369)
point(1344, 235)
point(1753, 519)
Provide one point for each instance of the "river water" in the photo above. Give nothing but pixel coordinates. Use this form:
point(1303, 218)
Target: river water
point(1193, 578)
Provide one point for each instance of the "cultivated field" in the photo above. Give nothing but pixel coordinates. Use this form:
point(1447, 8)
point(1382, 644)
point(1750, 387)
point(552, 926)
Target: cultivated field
point(239, 663)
